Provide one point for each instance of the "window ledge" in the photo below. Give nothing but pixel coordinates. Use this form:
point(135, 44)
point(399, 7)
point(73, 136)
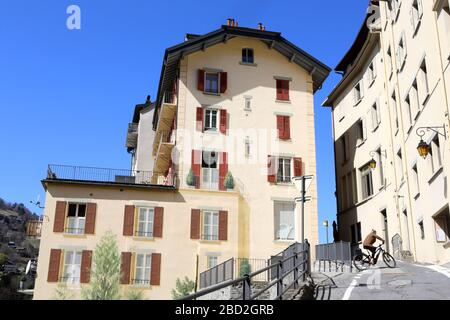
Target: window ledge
point(360, 143)
point(211, 131)
point(142, 286)
point(138, 238)
point(417, 196)
point(376, 127)
point(357, 102)
point(285, 140)
point(248, 64)
point(283, 101)
point(247, 110)
point(283, 241)
point(211, 94)
point(210, 241)
point(435, 175)
point(341, 118)
point(285, 184)
point(372, 82)
point(70, 235)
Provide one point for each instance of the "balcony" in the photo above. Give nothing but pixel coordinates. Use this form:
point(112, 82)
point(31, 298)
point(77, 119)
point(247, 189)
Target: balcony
point(132, 136)
point(163, 158)
point(91, 175)
point(166, 119)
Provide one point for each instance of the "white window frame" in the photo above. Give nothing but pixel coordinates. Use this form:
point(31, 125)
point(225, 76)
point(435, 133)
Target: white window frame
point(208, 119)
point(372, 72)
point(210, 231)
point(416, 182)
point(72, 269)
point(375, 115)
point(210, 175)
point(246, 55)
point(435, 154)
point(381, 166)
point(402, 52)
point(366, 176)
point(399, 158)
point(247, 104)
point(358, 92)
point(217, 74)
point(423, 86)
point(148, 222)
point(144, 269)
point(79, 223)
point(286, 177)
point(291, 234)
point(361, 133)
point(391, 65)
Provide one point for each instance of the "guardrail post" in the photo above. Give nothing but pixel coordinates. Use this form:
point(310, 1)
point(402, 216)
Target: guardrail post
point(246, 288)
point(279, 278)
point(296, 269)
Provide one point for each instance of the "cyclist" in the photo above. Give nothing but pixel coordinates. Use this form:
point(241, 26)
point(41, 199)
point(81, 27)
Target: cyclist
point(369, 241)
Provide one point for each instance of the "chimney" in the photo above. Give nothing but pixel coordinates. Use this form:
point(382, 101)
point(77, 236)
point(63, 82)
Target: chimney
point(229, 22)
point(148, 100)
point(261, 27)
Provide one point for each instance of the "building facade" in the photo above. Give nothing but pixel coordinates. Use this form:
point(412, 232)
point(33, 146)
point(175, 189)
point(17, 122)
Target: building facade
point(211, 174)
point(395, 92)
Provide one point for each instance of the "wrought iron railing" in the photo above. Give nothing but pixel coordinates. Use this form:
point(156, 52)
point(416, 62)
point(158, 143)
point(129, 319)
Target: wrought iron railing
point(294, 266)
point(105, 175)
point(142, 282)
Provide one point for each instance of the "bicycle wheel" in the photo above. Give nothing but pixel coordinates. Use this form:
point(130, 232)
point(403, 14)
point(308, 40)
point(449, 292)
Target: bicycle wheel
point(361, 261)
point(389, 260)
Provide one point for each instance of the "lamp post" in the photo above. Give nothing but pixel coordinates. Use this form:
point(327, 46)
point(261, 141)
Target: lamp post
point(325, 224)
point(373, 163)
point(423, 148)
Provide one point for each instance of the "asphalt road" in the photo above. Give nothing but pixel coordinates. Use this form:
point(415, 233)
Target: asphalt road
point(406, 282)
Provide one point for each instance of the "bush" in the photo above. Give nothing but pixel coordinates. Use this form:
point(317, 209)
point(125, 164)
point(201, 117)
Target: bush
point(134, 294)
point(183, 288)
point(229, 181)
point(190, 179)
point(244, 267)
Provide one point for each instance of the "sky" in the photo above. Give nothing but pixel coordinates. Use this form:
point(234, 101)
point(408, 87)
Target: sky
point(66, 96)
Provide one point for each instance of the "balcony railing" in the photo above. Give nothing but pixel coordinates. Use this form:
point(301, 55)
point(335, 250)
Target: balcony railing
point(110, 176)
point(169, 97)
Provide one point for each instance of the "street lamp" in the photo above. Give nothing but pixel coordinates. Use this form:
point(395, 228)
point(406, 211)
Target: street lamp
point(423, 148)
point(373, 163)
point(325, 224)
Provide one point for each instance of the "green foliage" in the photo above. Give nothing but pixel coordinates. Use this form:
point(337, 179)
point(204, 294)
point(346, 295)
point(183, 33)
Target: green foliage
point(105, 272)
point(62, 292)
point(3, 257)
point(134, 294)
point(229, 181)
point(190, 179)
point(183, 288)
point(244, 267)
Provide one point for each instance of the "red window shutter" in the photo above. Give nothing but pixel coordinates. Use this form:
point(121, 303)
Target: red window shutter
point(199, 119)
point(201, 80)
point(86, 260)
point(223, 225)
point(280, 127)
point(287, 127)
point(60, 215)
point(158, 222)
point(125, 268)
point(223, 170)
point(286, 90)
point(271, 169)
point(195, 224)
point(223, 82)
point(279, 90)
point(128, 221)
point(155, 273)
point(298, 167)
point(91, 212)
point(196, 166)
point(223, 121)
point(53, 266)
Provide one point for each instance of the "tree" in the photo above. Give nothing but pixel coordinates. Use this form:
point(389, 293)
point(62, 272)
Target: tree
point(244, 267)
point(105, 271)
point(134, 294)
point(62, 292)
point(229, 181)
point(183, 288)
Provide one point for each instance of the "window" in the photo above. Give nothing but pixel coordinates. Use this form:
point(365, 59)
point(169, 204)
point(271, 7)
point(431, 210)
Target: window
point(422, 230)
point(442, 226)
point(211, 119)
point(355, 233)
point(366, 182)
point(76, 218)
point(371, 72)
point(284, 127)
point(414, 100)
point(376, 119)
point(408, 112)
point(210, 230)
point(415, 175)
point(211, 262)
point(401, 52)
point(360, 132)
point(282, 90)
point(358, 92)
point(435, 155)
point(212, 82)
point(394, 108)
point(143, 266)
point(284, 170)
point(284, 220)
point(400, 165)
point(247, 147)
point(210, 170)
point(423, 89)
point(145, 222)
point(416, 15)
point(72, 267)
point(247, 56)
point(380, 166)
point(248, 104)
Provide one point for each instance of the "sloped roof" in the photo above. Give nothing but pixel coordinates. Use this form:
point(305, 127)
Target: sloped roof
point(274, 40)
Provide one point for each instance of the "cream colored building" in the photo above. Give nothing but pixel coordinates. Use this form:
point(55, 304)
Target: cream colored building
point(395, 81)
point(236, 100)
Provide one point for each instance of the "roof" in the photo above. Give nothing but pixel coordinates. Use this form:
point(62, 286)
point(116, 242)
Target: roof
point(274, 40)
point(140, 107)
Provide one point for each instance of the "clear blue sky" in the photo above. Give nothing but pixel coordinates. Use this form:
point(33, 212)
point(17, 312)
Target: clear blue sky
point(66, 96)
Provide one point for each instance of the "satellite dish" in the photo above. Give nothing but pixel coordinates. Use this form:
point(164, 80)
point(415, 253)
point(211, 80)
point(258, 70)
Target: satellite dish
point(28, 268)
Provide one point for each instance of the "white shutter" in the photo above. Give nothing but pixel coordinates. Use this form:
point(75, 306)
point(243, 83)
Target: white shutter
point(364, 127)
point(411, 16)
point(378, 110)
point(419, 6)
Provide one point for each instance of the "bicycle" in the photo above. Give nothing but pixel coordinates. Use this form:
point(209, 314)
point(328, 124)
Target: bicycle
point(362, 261)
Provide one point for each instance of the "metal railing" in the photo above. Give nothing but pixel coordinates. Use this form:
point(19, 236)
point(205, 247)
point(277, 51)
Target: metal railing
point(105, 175)
point(295, 261)
point(220, 273)
point(74, 230)
point(338, 252)
point(142, 282)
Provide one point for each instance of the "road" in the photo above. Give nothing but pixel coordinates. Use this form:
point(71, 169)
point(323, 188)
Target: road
point(405, 282)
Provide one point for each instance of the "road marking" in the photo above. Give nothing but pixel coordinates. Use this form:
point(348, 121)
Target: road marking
point(349, 290)
point(437, 268)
